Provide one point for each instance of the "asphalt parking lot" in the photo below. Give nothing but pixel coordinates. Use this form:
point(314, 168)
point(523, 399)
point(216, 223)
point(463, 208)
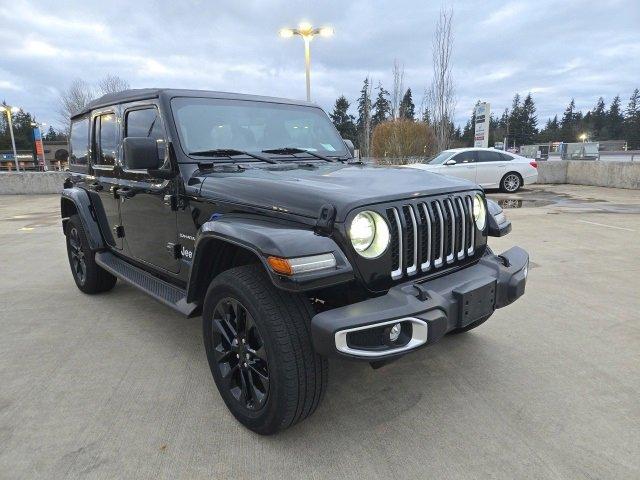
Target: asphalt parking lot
point(117, 385)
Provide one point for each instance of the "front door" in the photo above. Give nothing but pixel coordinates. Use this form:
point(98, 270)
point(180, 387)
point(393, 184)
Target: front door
point(104, 184)
point(465, 166)
point(149, 222)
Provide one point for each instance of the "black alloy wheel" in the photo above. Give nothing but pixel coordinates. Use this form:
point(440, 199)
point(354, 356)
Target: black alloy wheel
point(88, 275)
point(240, 354)
point(78, 262)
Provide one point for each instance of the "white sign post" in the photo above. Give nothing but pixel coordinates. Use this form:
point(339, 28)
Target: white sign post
point(481, 135)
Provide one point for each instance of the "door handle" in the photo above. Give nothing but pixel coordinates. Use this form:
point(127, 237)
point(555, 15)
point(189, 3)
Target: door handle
point(471, 166)
point(125, 192)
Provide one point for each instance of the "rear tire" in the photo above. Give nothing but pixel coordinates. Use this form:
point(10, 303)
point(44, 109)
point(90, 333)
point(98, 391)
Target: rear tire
point(511, 182)
point(88, 275)
point(258, 344)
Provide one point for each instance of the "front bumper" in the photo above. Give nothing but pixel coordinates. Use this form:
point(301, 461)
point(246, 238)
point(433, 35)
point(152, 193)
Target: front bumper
point(433, 308)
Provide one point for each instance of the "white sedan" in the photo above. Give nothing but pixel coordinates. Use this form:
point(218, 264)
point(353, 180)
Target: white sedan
point(486, 167)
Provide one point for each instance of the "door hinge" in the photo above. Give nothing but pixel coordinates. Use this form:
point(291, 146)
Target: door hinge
point(175, 249)
point(171, 201)
point(118, 231)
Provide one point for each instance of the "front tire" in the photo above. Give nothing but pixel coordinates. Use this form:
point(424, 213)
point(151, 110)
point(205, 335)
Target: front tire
point(511, 182)
point(258, 344)
point(88, 275)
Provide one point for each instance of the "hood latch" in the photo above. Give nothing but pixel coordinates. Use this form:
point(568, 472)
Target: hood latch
point(324, 224)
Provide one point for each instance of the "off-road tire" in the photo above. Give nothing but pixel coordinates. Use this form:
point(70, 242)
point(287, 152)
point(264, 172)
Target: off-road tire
point(297, 374)
point(95, 279)
point(507, 182)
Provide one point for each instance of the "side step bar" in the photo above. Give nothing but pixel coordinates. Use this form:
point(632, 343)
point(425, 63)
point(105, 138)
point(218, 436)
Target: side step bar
point(162, 291)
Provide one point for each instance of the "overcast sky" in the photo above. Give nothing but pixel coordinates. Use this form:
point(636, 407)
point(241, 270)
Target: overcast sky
point(554, 49)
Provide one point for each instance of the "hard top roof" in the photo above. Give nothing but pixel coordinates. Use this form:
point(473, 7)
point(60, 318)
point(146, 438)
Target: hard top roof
point(136, 94)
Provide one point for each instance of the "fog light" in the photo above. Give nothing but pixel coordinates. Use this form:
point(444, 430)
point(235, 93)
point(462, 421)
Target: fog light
point(394, 333)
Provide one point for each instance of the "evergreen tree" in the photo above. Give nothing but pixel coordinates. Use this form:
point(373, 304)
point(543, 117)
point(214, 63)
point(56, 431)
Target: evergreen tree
point(632, 121)
point(515, 124)
point(364, 117)
point(381, 107)
point(343, 121)
point(529, 121)
point(551, 131)
point(568, 123)
point(407, 108)
point(468, 132)
point(426, 117)
point(596, 121)
point(615, 120)
point(51, 134)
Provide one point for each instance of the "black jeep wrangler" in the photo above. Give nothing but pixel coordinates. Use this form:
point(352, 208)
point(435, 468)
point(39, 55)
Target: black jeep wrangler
point(253, 213)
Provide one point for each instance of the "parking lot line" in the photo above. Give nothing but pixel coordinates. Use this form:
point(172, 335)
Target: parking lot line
point(608, 226)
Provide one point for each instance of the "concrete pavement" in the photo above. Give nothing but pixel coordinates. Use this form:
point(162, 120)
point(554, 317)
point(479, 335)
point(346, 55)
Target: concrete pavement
point(117, 385)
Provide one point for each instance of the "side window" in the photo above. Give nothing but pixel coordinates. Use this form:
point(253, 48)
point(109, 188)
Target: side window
point(146, 123)
point(79, 142)
point(465, 157)
point(105, 139)
point(505, 158)
point(486, 156)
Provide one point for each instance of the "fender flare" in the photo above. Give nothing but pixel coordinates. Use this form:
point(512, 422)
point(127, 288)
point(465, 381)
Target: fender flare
point(266, 238)
point(82, 203)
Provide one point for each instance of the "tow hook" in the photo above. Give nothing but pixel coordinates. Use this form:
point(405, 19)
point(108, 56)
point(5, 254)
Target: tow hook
point(423, 293)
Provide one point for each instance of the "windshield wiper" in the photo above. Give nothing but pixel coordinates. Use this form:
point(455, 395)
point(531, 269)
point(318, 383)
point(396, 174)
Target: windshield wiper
point(230, 152)
point(294, 150)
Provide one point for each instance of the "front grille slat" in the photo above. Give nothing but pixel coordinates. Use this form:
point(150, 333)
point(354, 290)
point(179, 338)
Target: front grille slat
point(412, 240)
point(472, 242)
point(397, 273)
point(451, 228)
point(426, 236)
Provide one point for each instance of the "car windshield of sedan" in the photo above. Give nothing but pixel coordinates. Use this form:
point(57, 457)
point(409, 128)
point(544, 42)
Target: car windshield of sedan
point(211, 124)
point(440, 158)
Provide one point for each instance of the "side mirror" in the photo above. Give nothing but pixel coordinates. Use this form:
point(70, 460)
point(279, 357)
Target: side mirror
point(450, 162)
point(140, 153)
point(350, 146)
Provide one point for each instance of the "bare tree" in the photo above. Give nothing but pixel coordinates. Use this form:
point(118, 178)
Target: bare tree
point(398, 88)
point(74, 98)
point(112, 84)
point(441, 94)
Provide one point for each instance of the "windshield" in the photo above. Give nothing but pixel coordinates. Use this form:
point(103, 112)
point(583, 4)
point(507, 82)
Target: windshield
point(206, 124)
point(440, 158)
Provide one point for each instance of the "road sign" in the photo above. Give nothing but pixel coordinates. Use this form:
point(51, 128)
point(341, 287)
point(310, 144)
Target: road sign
point(481, 136)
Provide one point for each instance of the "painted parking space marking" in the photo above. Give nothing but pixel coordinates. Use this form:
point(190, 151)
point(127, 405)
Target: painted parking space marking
point(607, 226)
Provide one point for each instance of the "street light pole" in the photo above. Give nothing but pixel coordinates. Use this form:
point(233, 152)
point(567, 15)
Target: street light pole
point(307, 32)
point(307, 65)
point(13, 140)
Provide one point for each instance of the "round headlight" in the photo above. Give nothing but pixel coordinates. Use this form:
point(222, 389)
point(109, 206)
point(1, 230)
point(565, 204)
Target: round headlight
point(479, 212)
point(369, 234)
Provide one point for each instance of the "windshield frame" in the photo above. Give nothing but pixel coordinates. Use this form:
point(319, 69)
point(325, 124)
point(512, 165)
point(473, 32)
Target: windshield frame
point(338, 155)
point(450, 153)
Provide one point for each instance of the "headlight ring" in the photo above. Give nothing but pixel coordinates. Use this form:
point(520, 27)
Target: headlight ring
point(479, 212)
point(369, 234)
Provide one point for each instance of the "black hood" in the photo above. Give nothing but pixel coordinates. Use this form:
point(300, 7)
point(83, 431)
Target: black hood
point(304, 190)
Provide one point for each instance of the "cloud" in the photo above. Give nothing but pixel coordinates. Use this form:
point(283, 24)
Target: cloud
point(499, 49)
point(503, 15)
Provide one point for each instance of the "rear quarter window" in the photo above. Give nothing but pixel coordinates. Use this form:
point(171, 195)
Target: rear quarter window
point(79, 142)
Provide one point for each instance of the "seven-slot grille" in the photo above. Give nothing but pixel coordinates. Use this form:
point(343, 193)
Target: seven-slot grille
point(429, 235)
